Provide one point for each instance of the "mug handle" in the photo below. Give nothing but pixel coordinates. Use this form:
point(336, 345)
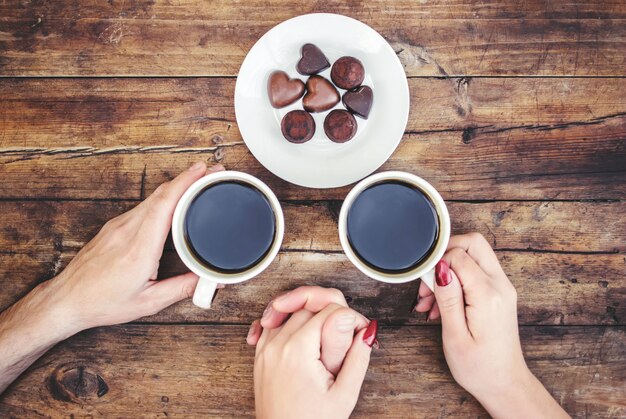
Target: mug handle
point(429, 279)
point(205, 290)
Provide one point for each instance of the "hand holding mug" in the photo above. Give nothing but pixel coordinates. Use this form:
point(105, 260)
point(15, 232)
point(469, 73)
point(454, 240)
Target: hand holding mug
point(290, 380)
point(113, 278)
point(478, 308)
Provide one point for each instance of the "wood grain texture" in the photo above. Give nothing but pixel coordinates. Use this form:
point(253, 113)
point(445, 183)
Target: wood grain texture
point(39, 238)
point(501, 149)
point(208, 372)
point(150, 37)
point(58, 113)
point(589, 227)
point(472, 138)
point(554, 289)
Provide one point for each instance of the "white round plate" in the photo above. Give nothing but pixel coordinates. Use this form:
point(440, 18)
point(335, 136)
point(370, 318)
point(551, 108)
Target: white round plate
point(321, 163)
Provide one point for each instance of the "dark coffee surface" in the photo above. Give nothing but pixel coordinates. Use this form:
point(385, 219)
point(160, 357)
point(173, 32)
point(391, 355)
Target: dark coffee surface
point(230, 226)
point(392, 226)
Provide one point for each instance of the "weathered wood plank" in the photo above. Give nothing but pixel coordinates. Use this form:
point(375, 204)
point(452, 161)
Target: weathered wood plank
point(33, 226)
point(436, 9)
point(56, 114)
point(478, 139)
point(554, 289)
point(207, 371)
point(537, 166)
point(196, 38)
point(39, 238)
point(478, 171)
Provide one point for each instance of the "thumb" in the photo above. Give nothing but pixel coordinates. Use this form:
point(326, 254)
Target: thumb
point(161, 204)
point(348, 383)
point(337, 335)
point(449, 295)
point(168, 291)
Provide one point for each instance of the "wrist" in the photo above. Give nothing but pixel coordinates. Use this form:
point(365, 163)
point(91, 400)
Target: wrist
point(53, 311)
point(513, 396)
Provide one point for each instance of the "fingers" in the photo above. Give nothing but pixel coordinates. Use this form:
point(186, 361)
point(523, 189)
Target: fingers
point(159, 207)
point(267, 335)
point(479, 249)
point(254, 333)
point(295, 322)
point(424, 291)
point(434, 313)
point(259, 336)
point(450, 302)
point(310, 298)
point(169, 291)
point(337, 335)
point(309, 335)
point(425, 299)
point(472, 278)
point(348, 383)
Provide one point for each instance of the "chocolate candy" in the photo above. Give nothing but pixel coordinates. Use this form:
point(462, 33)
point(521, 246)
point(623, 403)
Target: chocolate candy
point(359, 101)
point(347, 73)
point(298, 126)
point(282, 90)
point(320, 96)
point(313, 60)
point(340, 126)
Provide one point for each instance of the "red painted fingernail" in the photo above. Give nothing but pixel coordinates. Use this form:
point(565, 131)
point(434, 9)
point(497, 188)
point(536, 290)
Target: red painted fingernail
point(369, 337)
point(442, 273)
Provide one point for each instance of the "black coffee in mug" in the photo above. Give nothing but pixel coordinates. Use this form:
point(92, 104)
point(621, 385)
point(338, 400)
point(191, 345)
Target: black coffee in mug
point(230, 226)
point(392, 226)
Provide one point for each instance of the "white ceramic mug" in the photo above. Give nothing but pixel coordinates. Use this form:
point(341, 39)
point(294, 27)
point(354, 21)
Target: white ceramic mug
point(425, 269)
point(209, 278)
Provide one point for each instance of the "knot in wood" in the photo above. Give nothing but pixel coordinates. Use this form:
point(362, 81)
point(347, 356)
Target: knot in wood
point(72, 383)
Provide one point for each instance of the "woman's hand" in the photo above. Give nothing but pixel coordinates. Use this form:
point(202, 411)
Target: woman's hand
point(478, 308)
point(113, 278)
point(337, 333)
point(290, 380)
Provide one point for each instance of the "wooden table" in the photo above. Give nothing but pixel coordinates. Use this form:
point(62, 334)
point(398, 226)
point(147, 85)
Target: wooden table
point(518, 117)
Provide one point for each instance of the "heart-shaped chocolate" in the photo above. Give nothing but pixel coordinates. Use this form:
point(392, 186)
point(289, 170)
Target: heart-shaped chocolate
point(282, 90)
point(313, 60)
point(320, 96)
point(359, 101)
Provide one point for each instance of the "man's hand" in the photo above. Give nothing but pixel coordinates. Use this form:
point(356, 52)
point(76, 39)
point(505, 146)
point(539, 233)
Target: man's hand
point(112, 280)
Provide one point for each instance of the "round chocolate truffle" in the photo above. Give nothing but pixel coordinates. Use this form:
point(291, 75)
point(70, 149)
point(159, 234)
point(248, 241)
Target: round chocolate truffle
point(340, 126)
point(347, 73)
point(298, 126)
